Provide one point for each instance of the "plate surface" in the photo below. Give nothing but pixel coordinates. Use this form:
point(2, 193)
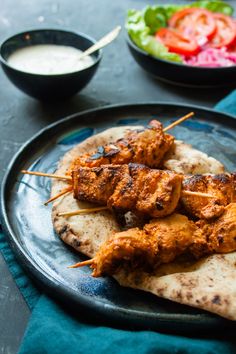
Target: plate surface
point(27, 222)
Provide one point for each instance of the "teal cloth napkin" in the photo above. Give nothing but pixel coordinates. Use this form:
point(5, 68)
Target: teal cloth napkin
point(53, 329)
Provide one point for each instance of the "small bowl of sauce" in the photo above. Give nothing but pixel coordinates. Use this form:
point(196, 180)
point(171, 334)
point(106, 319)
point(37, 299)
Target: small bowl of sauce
point(45, 63)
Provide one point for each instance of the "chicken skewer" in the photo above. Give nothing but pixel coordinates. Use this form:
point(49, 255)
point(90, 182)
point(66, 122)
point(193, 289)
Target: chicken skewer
point(155, 193)
point(162, 240)
point(131, 187)
point(147, 146)
point(153, 245)
point(74, 187)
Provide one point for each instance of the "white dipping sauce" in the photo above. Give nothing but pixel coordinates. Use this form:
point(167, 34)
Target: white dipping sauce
point(49, 59)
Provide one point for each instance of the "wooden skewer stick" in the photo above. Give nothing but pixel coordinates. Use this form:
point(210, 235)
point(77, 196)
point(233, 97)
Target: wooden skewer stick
point(91, 210)
point(178, 121)
point(35, 173)
point(82, 264)
point(198, 194)
point(83, 211)
point(66, 190)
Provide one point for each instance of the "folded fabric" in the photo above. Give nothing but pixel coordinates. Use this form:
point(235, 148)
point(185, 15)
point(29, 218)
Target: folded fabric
point(53, 329)
point(228, 104)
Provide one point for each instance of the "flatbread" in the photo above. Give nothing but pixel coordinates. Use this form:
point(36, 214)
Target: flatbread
point(185, 159)
point(209, 284)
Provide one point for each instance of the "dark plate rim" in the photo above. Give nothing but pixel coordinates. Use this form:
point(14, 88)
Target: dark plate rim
point(57, 29)
point(194, 68)
point(54, 286)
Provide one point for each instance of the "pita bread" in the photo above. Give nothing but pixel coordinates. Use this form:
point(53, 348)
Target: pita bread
point(185, 159)
point(208, 284)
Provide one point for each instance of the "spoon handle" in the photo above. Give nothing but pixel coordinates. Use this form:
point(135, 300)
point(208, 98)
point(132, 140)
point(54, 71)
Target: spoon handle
point(108, 38)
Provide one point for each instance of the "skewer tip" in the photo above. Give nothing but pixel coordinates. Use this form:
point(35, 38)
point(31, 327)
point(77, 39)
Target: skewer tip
point(64, 191)
point(178, 121)
point(83, 211)
point(82, 264)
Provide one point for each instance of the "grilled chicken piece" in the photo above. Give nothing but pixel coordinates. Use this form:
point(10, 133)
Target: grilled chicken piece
point(97, 184)
point(130, 187)
point(174, 234)
point(222, 187)
point(146, 146)
point(162, 240)
point(217, 236)
point(131, 247)
point(183, 158)
point(223, 234)
point(159, 242)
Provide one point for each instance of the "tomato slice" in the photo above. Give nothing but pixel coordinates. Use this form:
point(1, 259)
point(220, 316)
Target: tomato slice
point(181, 18)
point(194, 22)
point(178, 43)
point(225, 35)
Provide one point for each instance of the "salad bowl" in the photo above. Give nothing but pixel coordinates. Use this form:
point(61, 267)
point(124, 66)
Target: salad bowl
point(182, 74)
point(165, 63)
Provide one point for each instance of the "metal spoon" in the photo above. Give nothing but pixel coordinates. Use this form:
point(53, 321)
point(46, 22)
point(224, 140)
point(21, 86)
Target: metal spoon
point(108, 38)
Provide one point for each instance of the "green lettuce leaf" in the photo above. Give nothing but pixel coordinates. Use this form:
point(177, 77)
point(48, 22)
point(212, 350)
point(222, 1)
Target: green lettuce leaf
point(156, 17)
point(141, 25)
point(140, 34)
point(215, 6)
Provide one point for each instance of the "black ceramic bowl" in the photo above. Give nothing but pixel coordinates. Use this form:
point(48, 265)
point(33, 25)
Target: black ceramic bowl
point(48, 87)
point(180, 73)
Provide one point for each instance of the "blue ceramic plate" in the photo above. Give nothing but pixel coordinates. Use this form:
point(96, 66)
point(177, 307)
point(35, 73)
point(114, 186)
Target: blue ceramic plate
point(27, 223)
